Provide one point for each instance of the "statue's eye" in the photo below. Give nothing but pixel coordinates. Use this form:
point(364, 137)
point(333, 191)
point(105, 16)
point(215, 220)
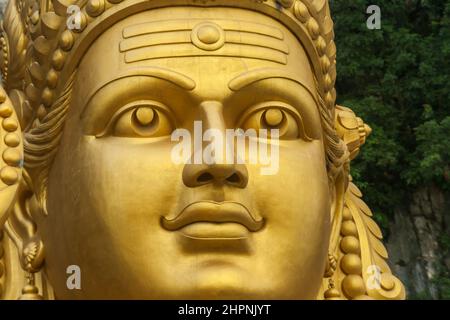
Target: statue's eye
point(144, 119)
point(275, 116)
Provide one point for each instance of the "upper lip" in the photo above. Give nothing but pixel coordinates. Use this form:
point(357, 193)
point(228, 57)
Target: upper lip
point(216, 212)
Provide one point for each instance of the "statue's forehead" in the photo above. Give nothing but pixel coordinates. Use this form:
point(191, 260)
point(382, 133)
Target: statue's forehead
point(216, 43)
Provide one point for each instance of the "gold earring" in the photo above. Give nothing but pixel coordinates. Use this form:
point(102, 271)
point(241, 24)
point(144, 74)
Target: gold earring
point(332, 293)
point(33, 256)
point(30, 291)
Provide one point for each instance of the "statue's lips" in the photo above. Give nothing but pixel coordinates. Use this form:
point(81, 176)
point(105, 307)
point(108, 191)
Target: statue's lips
point(210, 220)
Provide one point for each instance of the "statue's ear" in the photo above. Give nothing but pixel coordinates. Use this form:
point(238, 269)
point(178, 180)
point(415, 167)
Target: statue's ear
point(22, 229)
point(25, 249)
point(338, 188)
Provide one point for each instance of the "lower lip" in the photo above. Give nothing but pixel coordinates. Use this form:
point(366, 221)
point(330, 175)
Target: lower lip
point(215, 231)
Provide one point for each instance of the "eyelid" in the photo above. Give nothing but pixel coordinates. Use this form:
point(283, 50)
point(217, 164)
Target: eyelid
point(280, 105)
point(133, 105)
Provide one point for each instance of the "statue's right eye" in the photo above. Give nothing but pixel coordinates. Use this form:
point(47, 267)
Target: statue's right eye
point(275, 115)
point(141, 119)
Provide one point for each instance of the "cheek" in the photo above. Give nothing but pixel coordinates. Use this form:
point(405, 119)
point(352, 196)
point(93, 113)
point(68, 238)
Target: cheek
point(299, 192)
point(296, 205)
point(127, 187)
point(106, 200)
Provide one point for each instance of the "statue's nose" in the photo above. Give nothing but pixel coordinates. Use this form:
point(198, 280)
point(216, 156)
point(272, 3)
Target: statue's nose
point(214, 171)
point(195, 175)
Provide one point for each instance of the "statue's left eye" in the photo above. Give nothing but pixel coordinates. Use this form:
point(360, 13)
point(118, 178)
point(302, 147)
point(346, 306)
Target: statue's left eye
point(142, 120)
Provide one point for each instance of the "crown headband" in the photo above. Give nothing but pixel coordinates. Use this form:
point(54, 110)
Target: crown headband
point(39, 51)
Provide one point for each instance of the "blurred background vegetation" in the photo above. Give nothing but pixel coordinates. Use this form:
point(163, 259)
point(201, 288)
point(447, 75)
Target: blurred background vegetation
point(398, 80)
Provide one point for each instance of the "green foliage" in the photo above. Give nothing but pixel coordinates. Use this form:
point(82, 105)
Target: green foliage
point(431, 159)
point(444, 242)
point(444, 284)
point(398, 80)
point(443, 279)
point(424, 295)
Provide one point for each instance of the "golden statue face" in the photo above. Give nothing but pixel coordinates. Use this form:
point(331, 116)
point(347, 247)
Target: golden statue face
point(109, 159)
point(119, 183)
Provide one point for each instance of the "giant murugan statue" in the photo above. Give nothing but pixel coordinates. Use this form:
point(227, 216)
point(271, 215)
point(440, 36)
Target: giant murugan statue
point(92, 91)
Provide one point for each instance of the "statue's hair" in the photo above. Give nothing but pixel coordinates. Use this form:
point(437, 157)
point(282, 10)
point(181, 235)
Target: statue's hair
point(41, 141)
point(337, 155)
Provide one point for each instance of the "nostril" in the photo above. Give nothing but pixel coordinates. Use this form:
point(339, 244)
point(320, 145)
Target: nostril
point(205, 177)
point(234, 178)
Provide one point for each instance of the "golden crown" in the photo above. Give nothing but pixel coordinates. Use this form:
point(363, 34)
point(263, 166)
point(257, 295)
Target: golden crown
point(40, 50)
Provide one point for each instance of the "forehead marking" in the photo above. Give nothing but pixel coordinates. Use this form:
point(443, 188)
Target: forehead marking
point(195, 37)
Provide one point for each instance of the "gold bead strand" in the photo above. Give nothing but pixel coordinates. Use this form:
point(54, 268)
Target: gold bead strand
point(353, 284)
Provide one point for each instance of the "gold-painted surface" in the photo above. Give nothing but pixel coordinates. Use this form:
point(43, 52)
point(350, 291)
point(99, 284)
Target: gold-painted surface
point(95, 106)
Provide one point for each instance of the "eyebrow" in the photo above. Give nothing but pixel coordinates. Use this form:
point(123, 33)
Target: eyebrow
point(174, 77)
point(247, 78)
